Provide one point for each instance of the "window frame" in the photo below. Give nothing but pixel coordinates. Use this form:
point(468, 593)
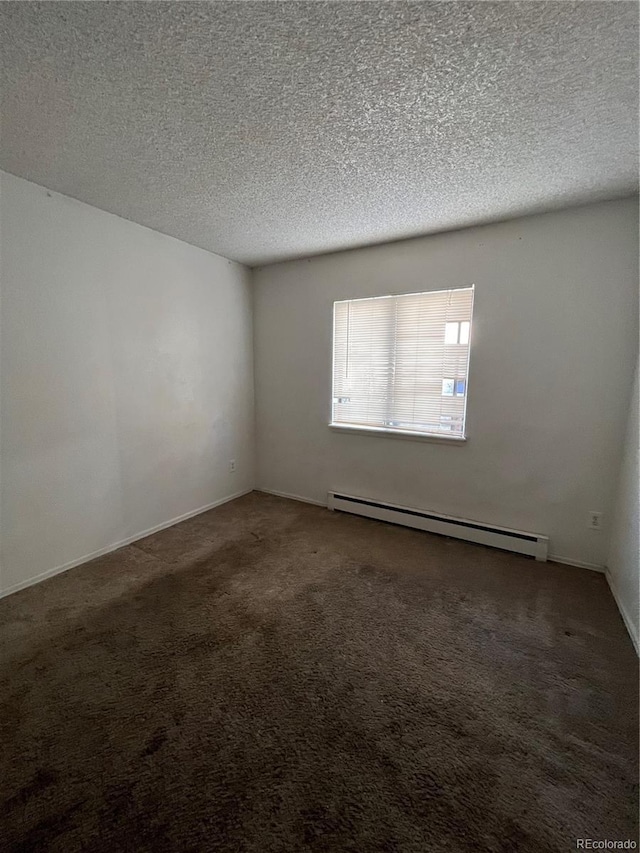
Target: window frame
point(390, 432)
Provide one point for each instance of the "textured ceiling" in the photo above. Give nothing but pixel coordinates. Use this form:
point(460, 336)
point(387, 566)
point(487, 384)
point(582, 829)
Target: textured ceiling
point(267, 130)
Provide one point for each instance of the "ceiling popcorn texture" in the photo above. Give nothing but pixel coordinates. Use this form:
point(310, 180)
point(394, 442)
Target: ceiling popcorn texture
point(265, 131)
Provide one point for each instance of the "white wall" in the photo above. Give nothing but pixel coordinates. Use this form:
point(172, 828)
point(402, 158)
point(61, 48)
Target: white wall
point(126, 380)
point(553, 351)
point(624, 557)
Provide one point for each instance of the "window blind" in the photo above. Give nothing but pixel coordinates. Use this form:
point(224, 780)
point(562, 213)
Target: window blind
point(401, 362)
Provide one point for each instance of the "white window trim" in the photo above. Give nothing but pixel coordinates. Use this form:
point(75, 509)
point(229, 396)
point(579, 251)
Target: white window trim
point(406, 435)
point(399, 433)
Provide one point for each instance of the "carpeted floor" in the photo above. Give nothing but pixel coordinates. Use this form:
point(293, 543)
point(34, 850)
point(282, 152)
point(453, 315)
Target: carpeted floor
point(272, 677)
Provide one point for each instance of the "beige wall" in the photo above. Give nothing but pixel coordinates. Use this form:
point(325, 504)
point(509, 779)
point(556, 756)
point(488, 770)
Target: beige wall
point(126, 380)
point(553, 352)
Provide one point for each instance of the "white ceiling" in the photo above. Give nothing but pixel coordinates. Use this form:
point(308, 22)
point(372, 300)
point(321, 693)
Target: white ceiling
point(263, 131)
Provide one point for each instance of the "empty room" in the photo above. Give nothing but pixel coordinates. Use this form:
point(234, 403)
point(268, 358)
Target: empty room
point(319, 427)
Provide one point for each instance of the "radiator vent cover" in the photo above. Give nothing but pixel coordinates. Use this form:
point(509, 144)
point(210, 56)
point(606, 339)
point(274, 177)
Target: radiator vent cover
point(531, 544)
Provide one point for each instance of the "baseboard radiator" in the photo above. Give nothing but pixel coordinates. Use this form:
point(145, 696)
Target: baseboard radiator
point(532, 544)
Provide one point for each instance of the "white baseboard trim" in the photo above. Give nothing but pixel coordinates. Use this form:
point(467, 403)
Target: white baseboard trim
point(624, 613)
point(580, 564)
point(291, 497)
point(121, 544)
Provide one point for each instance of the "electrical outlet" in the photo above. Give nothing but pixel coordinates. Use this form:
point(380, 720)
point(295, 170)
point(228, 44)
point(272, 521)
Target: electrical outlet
point(232, 465)
point(595, 521)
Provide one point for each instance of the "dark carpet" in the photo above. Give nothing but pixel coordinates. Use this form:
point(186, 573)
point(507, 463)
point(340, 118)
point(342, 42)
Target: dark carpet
point(273, 677)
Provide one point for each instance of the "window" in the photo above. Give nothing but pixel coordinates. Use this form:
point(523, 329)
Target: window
point(457, 333)
point(453, 387)
point(400, 363)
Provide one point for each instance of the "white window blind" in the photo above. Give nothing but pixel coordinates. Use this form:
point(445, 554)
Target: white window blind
point(401, 362)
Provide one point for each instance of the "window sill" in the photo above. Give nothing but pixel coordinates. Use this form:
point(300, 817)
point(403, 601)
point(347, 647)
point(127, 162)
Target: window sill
point(398, 433)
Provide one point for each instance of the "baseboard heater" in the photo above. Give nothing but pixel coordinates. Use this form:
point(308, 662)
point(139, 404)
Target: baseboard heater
point(532, 544)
